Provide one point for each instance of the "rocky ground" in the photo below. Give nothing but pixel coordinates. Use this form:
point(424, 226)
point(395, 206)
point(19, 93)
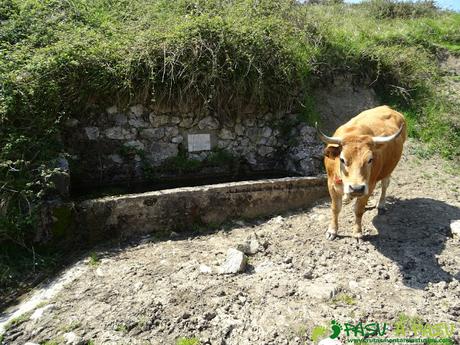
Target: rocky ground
point(157, 292)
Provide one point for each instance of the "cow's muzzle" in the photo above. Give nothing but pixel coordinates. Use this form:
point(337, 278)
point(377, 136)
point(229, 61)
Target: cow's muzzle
point(357, 189)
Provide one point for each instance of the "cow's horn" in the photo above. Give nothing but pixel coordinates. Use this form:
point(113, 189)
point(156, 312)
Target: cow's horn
point(326, 139)
point(382, 140)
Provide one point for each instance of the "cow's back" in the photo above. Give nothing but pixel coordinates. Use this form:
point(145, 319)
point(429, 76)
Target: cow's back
point(380, 121)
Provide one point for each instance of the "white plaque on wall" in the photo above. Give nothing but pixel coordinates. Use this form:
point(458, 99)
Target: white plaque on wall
point(199, 142)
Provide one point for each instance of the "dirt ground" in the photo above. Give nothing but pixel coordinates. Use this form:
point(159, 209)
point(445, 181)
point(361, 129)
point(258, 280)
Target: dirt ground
point(156, 292)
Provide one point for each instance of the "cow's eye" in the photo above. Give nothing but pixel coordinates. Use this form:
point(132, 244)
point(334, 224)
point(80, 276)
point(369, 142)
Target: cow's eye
point(370, 160)
point(342, 160)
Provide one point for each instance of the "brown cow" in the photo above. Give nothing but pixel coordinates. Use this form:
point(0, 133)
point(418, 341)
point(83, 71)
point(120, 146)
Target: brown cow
point(362, 152)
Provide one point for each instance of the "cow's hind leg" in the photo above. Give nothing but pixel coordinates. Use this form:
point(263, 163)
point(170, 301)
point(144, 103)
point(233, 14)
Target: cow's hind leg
point(385, 183)
point(336, 207)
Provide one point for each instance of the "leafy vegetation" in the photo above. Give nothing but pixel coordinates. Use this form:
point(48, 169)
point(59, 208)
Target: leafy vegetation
point(19, 264)
point(68, 58)
point(183, 164)
point(94, 259)
point(343, 298)
point(187, 341)
point(49, 342)
point(406, 9)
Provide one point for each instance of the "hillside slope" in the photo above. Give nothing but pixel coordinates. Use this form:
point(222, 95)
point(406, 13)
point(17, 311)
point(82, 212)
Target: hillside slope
point(61, 59)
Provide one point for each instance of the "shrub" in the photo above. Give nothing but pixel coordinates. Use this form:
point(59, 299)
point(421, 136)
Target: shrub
point(382, 9)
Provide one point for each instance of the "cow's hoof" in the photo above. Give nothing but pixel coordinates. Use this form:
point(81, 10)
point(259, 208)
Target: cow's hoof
point(381, 210)
point(330, 236)
point(359, 240)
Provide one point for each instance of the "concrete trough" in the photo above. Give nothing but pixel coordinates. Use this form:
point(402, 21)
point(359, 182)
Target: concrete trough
point(183, 209)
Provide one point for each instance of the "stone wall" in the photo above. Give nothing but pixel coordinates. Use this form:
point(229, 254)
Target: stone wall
point(136, 143)
point(180, 209)
point(122, 144)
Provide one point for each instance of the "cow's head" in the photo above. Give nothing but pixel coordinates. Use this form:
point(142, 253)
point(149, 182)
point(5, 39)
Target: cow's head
point(356, 154)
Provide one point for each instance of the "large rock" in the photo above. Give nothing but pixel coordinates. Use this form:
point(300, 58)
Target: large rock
point(304, 158)
point(118, 133)
point(239, 129)
point(61, 179)
point(307, 134)
point(250, 247)
point(320, 290)
point(171, 131)
point(249, 121)
point(177, 139)
point(116, 158)
point(120, 119)
point(137, 123)
point(92, 133)
point(455, 227)
point(223, 144)
point(174, 120)
point(253, 134)
point(208, 123)
point(226, 134)
point(136, 144)
point(72, 339)
point(266, 132)
point(153, 133)
point(265, 150)
point(158, 120)
point(136, 110)
point(112, 110)
point(308, 166)
point(38, 313)
point(234, 263)
point(186, 122)
point(251, 158)
point(158, 152)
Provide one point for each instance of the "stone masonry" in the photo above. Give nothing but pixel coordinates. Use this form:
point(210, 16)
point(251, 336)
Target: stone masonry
point(121, 145)
point(117, 145)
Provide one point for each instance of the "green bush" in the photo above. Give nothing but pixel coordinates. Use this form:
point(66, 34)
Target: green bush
point(382, 9)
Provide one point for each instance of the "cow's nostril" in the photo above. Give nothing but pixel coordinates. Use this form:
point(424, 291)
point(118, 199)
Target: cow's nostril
point(358, 188)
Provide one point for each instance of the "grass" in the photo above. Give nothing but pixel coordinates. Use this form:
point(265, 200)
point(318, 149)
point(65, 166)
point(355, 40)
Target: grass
point(301, 331)
point(405, 323)
point(182, 164)
point(71, 326)
point(188, 341)
point(94, 259)
point(343, 298)
point(409, 319)
point(49, 342)
point(121, 328)
point(18, 320)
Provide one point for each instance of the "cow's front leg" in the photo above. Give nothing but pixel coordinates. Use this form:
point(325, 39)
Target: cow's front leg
point(336, 207)
point(360, 207)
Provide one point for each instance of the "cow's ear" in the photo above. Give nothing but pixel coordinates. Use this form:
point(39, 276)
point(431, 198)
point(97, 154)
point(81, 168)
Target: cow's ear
point(332, 151)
